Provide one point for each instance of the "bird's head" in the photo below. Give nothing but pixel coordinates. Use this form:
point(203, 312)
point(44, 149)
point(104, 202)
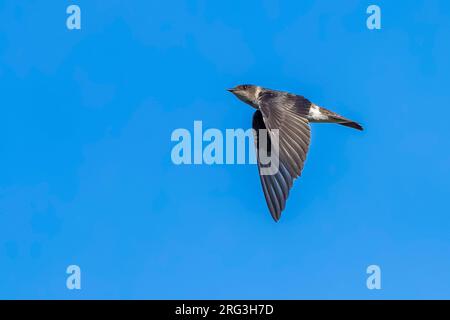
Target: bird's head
point(248, 93)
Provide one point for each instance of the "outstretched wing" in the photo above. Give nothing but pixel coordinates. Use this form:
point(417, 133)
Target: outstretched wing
point(287, 114)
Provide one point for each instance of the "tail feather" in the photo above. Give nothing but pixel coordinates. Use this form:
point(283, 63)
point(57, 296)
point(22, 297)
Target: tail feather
point(334, 117)
point(352, 124)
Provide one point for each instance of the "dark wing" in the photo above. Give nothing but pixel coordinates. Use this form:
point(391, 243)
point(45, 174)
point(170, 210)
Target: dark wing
point(287, 114)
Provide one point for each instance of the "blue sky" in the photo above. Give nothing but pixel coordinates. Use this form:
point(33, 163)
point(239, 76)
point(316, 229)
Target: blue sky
point(87, 179)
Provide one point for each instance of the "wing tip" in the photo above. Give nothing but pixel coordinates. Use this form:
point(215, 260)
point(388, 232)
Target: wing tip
point(276, 216)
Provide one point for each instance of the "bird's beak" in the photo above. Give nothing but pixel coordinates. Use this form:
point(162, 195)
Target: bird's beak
point(231, 90)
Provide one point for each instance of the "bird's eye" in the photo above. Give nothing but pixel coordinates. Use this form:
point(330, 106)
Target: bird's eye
point(244, 87)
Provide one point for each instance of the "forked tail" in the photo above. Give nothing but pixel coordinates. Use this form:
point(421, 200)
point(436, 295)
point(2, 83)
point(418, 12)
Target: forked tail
point(352, 124)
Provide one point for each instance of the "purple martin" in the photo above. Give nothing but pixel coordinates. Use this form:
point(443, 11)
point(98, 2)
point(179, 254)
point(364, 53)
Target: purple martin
point(291, 115)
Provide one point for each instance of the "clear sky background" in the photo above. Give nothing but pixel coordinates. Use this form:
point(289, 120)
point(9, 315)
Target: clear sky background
point(86, 176)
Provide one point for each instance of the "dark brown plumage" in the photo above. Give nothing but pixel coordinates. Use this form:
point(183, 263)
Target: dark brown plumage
point(288, 116)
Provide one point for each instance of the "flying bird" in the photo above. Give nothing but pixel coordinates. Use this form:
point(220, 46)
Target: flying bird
point(290, 115)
